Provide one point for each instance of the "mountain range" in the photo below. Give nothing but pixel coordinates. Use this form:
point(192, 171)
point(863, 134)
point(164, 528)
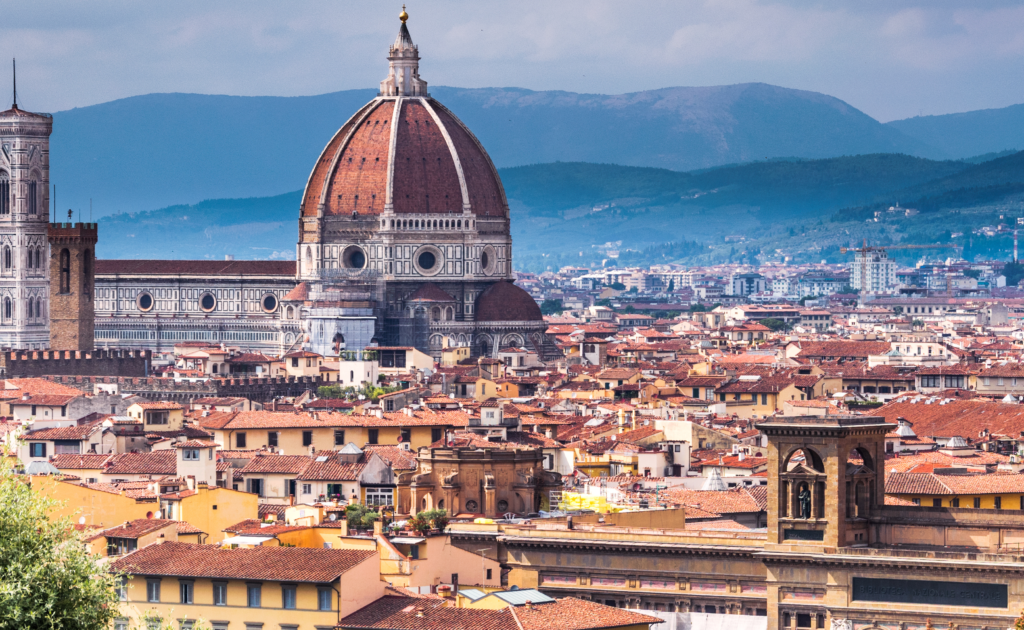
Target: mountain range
point(151, 151)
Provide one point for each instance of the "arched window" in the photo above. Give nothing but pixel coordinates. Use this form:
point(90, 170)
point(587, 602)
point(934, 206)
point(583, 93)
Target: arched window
point(39, 258)
point(309, 258)
point(214, 368)
point(65, 271)
point(5, 193)
point(7, 257)
point(39, 307)
point(30, 259)
point(290, 313)
point(7, 308)
point(33, 198)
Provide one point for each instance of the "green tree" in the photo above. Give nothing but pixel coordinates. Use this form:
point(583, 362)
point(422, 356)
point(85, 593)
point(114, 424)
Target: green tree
point(671, 285)
point(917, 323)
point(47, 578)
point(1014, 272)
point(618, 286)
point(551, 307)
point(774, 324)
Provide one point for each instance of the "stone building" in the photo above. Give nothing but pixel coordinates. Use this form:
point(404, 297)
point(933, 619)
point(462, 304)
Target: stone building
point(72, 286)
point(403, 240)
point(833, 555)
point(24, 203)
point(491, 479)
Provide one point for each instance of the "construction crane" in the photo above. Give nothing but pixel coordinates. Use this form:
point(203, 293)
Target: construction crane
point(866, 249)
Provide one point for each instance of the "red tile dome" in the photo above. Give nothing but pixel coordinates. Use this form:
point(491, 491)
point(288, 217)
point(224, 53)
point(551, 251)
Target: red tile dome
point(421, 159)
point(505, 302)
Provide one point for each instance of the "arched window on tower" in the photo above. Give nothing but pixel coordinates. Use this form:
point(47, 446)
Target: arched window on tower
point(5, 193)
point(39, 258)
point(309, 258)
point(7, 308)
point(65, 271)
point(8, 262)
point(33, 197)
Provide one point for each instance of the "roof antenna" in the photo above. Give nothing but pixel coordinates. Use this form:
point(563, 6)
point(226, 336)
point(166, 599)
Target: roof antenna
point(14, 66)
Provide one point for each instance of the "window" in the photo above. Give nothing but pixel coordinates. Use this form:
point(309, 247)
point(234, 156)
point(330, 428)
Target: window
point(255, 486)
point(122, 589)
point(121, 623)
point(5, 193)
point(254, 595)
point(916, 501)
point(436, 435)
point(121, 546)
point(272, 438)
point(288, 596)
point(190, 454)
point(153, 590)
point(997, 503)
point(930, 381)
point(220, 593)
point(977, 502)
point(936, 502)
point(955, 502)
point(339, 437)
point(186, 589)
point(406, 435)
point(65, 271)
point(240, 440)
point(307, 438)
point(488, 574)
point(323, 598)
point(33, 197)
point(379, 496)
point(307, 488)
point(37, 449)
point(764, 399)
point(372, 435)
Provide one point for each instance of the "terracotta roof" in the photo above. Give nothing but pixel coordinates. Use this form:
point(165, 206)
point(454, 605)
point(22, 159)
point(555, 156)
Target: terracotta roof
point(15, 387)
point(78, 462)
point(397, 458)
point(160, 406)
point(278, 564)
point(77, 432)
point(330, 469)
point(734, 501)
point(269, 463)
point(430, 292)
point(250, 357)
point(185, 527)
point(409, 613)
point(299, 294)
point(136, 529)
point(940, 484)
point(955, 417)
point(46, 400)
point(843, 349)
point(196, 444)
point(504, 301)
point(154, 463)
point(204, 268)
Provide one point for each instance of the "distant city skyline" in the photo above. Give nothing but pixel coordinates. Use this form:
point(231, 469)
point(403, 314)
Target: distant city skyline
point(890, 62)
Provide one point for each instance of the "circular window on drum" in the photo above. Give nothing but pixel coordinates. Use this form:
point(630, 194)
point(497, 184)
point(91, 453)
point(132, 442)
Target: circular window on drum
point(269, 303)
point(144, 302)
point(354, 257)
point(488, 260)
point(207, 302)
point(429, 260)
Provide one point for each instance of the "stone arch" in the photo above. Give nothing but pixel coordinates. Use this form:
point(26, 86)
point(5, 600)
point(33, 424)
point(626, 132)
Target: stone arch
point(513, 340)
point(290, 313)
point(484, 343)
point(435, 314)
point(811, 458)
point(860, 453)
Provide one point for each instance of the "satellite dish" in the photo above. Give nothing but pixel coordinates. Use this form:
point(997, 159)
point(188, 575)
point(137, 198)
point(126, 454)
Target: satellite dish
point(332, 516)
point(157, 515)
point(81, 520)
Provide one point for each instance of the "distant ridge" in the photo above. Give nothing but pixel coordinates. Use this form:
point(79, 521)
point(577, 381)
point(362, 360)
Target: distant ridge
point(156, 150)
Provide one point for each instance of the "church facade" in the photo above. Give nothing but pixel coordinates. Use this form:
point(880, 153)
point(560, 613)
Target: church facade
point(403, 239)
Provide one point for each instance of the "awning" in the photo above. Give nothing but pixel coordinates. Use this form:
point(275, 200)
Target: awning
point(406, 541)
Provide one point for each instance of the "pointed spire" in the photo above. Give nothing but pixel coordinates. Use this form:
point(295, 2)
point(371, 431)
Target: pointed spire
point(14, 67)
point(403, 65)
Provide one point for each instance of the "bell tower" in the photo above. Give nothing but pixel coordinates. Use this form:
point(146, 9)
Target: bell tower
point(72, 286)
point(24, 203)
point(826, 479)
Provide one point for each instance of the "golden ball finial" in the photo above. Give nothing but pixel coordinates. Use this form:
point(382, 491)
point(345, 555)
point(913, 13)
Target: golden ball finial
point(403, 15)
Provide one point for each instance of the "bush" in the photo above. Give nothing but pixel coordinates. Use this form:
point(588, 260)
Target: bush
point(428, 519)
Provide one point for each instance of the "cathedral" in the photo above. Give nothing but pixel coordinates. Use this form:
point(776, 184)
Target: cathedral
point(403, 240)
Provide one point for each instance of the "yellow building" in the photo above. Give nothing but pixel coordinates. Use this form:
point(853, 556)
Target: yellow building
point(158, 416)
point(308, 432)
point(272, 587)
point(958, 489)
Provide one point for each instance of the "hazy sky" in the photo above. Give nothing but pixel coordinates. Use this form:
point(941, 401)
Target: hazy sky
point(892, 59)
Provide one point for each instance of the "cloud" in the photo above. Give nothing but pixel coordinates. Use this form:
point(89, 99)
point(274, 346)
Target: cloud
point(938, 56)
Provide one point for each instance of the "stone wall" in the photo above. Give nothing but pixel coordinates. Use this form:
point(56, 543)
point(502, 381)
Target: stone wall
point(255, 389)
point(114, 363)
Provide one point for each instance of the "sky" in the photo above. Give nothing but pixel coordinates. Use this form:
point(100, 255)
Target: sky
point(891, 59)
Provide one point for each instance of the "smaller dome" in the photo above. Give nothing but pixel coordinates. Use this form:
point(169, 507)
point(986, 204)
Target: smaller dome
point(505, 302)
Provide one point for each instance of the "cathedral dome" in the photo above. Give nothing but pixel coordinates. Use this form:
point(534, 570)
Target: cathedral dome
point(504, 302)
point(405, 153)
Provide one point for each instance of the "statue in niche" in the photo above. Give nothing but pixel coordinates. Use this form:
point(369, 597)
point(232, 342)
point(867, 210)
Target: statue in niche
point(805, 502)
